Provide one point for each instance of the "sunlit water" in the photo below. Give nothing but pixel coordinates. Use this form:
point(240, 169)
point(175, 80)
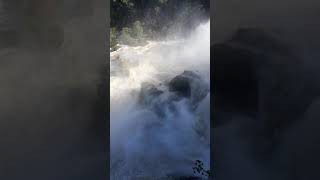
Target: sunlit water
point(144, 144)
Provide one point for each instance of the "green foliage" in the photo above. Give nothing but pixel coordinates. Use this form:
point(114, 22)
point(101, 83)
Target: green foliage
point(122, 12)
point(159, 18)
point(125, 36)
point(132, 36)
point(113, 37)
point(155, 13)
point(137, 30)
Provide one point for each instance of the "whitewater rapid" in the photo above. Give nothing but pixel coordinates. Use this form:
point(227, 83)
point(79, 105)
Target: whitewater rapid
point(142, 142)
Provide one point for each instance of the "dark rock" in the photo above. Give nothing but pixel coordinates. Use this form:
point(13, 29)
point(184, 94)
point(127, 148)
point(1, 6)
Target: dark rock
point(150, 96)
point(148, 91)
point(181, 85)
point(189, 85)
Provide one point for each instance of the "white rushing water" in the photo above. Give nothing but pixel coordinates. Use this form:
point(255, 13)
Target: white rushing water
point(163, 135)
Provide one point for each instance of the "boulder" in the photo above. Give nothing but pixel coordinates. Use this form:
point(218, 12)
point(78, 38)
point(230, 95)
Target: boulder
point(148, 92)
point(159, 99)
point(189, 85)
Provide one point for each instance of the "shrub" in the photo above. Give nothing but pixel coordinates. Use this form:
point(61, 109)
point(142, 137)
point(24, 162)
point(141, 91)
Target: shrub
point(113, 37)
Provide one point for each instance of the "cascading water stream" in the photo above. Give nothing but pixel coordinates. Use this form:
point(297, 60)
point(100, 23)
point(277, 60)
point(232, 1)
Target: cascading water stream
point(157, 129)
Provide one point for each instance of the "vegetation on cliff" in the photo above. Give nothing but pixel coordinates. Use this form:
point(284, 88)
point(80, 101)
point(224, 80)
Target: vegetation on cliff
point(134, 21)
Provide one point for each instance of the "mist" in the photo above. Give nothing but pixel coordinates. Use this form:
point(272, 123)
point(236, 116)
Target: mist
point(156, 131)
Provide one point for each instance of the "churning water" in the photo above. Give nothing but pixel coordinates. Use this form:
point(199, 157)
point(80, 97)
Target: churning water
point(160, 107)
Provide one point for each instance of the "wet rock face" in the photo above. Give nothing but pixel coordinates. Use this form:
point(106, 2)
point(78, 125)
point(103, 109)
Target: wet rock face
point(180, 85)
point(148, 93)
point(188, 85)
